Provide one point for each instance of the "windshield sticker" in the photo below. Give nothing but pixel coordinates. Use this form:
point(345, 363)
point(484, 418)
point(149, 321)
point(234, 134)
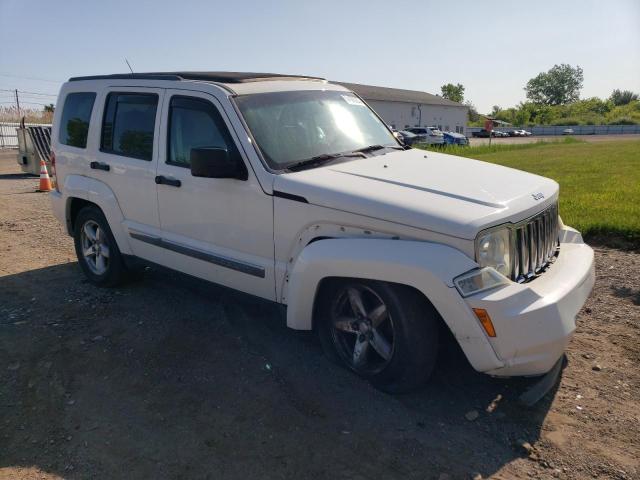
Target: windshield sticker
point(351, 100)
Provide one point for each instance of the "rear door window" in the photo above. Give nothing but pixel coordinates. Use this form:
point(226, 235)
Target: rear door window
point(76, 113)
point(128, 125)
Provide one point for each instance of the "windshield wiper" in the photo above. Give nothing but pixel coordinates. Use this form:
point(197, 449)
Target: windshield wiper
point(326, 157)
point(320, 159)
point(373, 148)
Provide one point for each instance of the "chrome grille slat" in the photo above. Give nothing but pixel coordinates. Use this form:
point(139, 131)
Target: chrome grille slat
point(547, 236)
point(533, 247)
point(539, 226)
point(535, 243)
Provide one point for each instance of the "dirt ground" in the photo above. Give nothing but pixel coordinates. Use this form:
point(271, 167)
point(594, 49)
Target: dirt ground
point(172, 377)
point(551, 138)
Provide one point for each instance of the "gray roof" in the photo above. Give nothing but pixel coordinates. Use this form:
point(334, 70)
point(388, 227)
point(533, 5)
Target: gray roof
point(369, 92)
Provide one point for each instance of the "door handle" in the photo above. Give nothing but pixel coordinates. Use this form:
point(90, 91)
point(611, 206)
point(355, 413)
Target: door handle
point(161, 180)
point(99, 166)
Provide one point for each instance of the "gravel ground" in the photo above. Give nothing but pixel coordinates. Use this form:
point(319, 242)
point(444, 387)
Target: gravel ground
point(172, 377)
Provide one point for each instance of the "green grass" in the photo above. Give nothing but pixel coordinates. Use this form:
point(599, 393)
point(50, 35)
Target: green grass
point(499, 147)
point(599, 182)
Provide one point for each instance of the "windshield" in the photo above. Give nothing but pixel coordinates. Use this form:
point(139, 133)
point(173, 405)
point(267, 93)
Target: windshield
point(297, 125)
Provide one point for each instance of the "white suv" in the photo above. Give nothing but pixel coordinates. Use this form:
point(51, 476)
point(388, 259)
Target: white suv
point(294, 190)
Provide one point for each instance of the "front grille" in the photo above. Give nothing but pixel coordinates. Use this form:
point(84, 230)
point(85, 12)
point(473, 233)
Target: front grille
point(536, 244)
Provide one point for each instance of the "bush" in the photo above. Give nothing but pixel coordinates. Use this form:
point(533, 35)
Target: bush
point(623, 121)
point(589, 111)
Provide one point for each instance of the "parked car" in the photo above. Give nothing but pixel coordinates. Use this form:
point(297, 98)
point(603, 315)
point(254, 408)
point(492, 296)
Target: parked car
point(481, 133)
point(428, 135)
point(568, 131)
point(409, 138)
point(499, 133)
point(293, 190)
point(519, 133)
point(453, 138)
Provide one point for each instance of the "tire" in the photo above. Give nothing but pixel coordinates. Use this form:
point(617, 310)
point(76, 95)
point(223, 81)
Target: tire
point(400, 346)
point(110, 270)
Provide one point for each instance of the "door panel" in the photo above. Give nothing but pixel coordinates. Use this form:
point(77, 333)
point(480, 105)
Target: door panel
point(127, 156)
point(217, 228)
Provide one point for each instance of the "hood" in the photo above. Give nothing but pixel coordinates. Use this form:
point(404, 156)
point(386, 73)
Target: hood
point(443, 193)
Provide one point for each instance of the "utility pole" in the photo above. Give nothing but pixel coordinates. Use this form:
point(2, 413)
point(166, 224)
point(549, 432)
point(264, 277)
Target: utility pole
point(18, 103)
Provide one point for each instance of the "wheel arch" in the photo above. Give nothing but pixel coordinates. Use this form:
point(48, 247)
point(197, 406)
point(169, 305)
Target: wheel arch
point(82, 191)
point(428, 268)
point(327, 281)
point(74, 205)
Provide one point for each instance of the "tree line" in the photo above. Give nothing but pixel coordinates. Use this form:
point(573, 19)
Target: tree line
point(553, 98)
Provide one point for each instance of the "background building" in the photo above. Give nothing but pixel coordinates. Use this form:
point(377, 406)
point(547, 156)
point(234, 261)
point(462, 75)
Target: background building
point(411, 108)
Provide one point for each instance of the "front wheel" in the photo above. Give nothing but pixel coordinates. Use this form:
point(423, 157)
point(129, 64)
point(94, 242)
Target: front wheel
point(386, 333)
point(97, 250)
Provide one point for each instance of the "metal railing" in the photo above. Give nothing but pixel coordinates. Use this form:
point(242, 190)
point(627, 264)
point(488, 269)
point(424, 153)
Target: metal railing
point(577, 129)
point(9, 134)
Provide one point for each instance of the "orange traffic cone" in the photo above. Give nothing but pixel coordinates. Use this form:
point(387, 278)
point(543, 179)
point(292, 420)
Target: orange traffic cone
point(45, 181)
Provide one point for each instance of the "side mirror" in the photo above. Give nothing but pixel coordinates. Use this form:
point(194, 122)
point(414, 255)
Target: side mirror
point(214, 162)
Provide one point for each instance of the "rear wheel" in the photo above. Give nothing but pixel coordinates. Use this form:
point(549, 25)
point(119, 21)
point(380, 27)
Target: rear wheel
point(386, 333)
point(96, 249)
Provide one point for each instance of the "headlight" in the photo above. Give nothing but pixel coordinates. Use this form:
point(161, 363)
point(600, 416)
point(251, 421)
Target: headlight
point(478, 280)
point(493, 249)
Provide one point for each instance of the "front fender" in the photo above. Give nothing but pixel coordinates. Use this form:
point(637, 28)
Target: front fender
point(427, 267)
point(95, 191)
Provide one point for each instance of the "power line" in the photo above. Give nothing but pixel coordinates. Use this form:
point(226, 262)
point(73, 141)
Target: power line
point(33, 97)
point(31, 78)
point(29, 93)
point(28, 103)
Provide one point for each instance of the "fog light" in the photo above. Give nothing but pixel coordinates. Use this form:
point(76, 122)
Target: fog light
point(485, 321)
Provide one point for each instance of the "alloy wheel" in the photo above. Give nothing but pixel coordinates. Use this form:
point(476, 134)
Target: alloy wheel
point(95, 247)
point(362, 329)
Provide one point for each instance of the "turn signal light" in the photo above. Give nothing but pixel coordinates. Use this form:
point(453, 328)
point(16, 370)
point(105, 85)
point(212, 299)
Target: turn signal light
point(485, 320)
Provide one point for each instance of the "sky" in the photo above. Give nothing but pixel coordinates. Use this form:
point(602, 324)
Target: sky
point(491, 47)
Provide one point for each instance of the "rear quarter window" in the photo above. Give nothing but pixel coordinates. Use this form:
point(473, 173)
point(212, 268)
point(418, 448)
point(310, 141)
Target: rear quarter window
point(76, 113)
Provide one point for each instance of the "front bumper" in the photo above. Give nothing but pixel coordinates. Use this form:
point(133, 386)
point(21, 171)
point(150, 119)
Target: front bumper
point(535, 321)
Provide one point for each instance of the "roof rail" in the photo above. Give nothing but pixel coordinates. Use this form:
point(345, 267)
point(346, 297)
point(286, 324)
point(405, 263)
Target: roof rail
point(221, 77)
point(128, 76)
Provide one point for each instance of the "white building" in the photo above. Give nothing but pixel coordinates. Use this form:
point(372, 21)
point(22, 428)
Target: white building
point(411, 108)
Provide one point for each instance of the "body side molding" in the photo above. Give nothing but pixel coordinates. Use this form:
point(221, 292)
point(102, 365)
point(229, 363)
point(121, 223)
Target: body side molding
point(219, 260)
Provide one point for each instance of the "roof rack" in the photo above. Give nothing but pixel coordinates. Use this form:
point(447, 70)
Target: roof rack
point(222, 77)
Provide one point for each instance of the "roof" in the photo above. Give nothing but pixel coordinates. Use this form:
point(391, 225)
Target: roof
point(221, 77)
point(369, 92)
point(495, 120)
point(276, 81)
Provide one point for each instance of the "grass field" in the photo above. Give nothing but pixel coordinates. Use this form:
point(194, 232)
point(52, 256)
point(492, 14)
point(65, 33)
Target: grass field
point(599, 182)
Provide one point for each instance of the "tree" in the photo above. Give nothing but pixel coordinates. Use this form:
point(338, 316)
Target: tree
point(559, 86)
point(453, 92)
point(495, 110)
point(49, 108)
point(622, 97)
point(472, 113)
